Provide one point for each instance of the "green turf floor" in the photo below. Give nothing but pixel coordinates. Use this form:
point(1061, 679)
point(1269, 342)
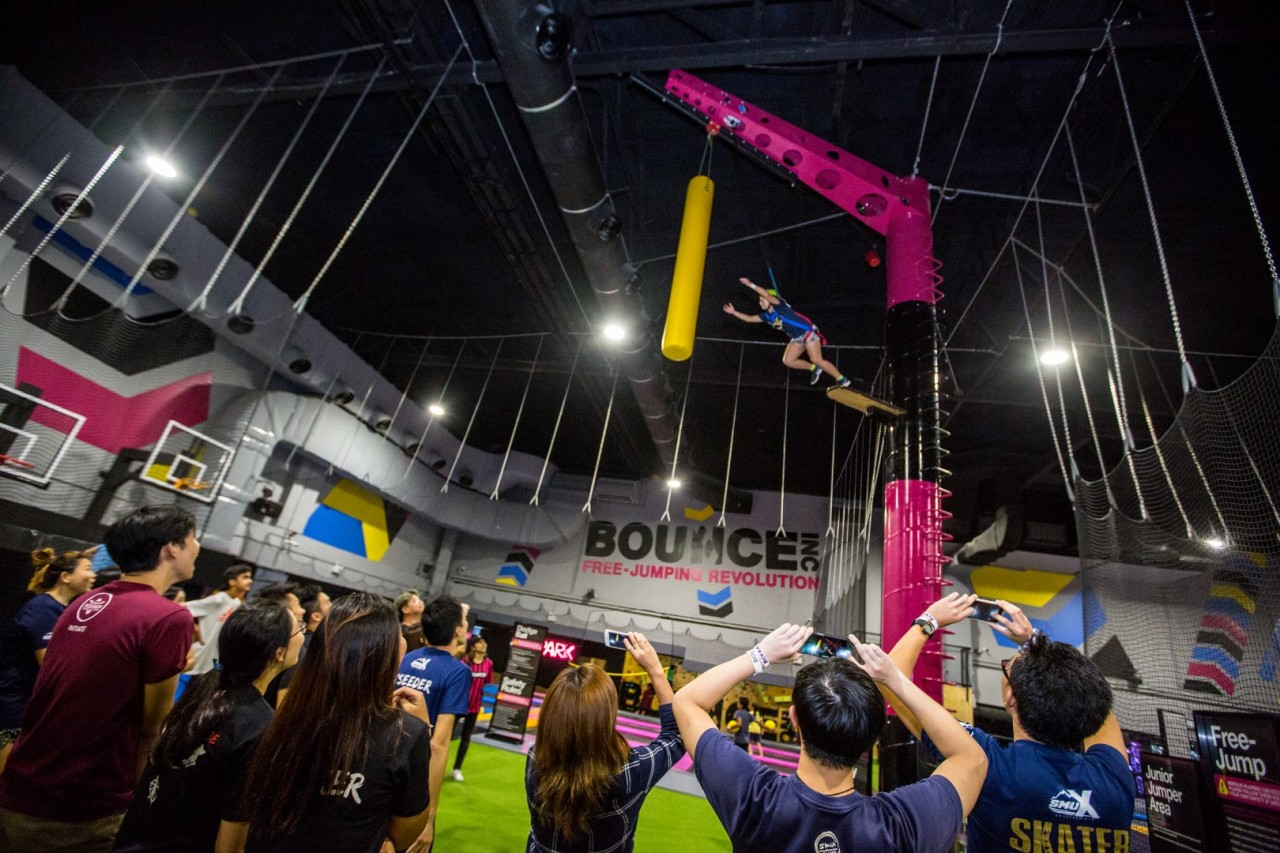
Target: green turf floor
point(488, 810)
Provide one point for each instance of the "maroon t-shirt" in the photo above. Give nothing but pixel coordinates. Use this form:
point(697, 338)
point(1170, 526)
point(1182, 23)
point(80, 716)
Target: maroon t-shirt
point(75, 758)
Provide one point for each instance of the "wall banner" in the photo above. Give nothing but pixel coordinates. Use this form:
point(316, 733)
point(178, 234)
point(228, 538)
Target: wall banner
point(1175, 818)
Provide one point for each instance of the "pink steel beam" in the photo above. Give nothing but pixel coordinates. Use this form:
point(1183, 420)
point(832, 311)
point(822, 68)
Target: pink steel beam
point(897, 208)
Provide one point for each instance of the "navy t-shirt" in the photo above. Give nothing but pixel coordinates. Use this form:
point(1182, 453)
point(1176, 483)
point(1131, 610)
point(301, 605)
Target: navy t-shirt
point(787, 320)
point(29, 632)
point(444, 680)
point(762, 809)
point(1045, 797)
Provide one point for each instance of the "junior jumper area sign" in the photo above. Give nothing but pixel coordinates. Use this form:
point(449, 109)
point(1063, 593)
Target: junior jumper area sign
point(713, 556)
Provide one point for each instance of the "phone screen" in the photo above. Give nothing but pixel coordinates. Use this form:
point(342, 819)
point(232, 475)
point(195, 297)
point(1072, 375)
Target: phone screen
point(614, 639)
point(986, 610)
point(824, 646)
point(476, 630)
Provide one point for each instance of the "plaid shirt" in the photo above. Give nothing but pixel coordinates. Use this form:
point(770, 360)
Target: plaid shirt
point(613, 828)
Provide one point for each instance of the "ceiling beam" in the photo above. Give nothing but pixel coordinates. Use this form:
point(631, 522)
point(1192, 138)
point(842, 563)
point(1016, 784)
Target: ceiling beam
point(739, 52)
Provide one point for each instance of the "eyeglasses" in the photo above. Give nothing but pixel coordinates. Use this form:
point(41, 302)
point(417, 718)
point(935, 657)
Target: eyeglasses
point(301, 629)
point(1004, 667)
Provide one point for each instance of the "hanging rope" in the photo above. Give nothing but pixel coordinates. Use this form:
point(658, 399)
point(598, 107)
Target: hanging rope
point(604, 431)
point(1068, 474)
point(1155, 445)
point(195, 191)
point(1044, 392)
point(1235, 153)
point(59, 306)
point(301, 304)
point(782, 487)
point(955, 155)
point(431, 419)
point(497, 485)
point(462, 444)
point(733, 429)
point(62, 220)
point(1114, 375)
point(675, 457)
point(35, 193)
point(409, 384)
point(200, 302)
point(924, 124)
point(1084, 398)
point(546, 460)
point(1188, 377)
point(237, 305)
point(831, 488)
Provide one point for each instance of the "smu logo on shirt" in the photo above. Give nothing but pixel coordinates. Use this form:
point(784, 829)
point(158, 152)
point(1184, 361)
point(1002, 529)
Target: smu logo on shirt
point(92, 606)
point(1073, 804)
point(826, 843)
point(420, 663)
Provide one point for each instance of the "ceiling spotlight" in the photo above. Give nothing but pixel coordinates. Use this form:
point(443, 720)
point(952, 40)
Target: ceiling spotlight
point(161, 166)
point(674, 483)
point(554, 35)
point(615, 332)
point(1054, 357)
point(435, 410)
point(1217, 543)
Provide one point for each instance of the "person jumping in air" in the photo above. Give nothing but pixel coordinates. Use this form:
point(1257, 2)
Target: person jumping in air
point(804, 335)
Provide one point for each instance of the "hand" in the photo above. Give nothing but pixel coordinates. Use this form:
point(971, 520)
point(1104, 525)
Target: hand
point(783, 645)
point(1013, 623)
point(423, 842)
point(412, 702)
point(387, 846)
point(644, 654)
point(729, 309)
point(876, 663)
point(748, 282)
point(952, 608)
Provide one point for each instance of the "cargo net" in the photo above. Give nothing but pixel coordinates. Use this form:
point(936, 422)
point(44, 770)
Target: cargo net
point(1181, 607)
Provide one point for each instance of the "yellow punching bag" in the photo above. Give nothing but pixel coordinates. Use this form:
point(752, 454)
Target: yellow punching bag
point(686, 281)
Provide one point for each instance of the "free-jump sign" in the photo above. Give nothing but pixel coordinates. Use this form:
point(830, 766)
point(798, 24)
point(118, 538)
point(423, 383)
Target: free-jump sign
point(1240, 758)
point(515, 690)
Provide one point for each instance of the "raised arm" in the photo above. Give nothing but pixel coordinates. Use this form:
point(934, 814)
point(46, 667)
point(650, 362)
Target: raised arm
point(964, 764)
point(643, 652)
point(945, 611)
point(694, 701)
point(759, 291)
point(746, 318)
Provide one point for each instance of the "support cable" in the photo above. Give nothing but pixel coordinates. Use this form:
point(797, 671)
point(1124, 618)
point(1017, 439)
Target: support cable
point(462, 444)
point(604, 431)
point(546, 459)
point(733, 430)
point(497, 485)
point(675, 457)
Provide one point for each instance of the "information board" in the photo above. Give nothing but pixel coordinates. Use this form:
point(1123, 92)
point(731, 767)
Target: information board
point(515, 690)
point(1175, 817)
point(1240, 759)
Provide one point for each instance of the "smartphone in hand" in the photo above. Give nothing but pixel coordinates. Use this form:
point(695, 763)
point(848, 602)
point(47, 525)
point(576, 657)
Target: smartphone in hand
point(826, 646)
point(614, 639)
point(986, 610)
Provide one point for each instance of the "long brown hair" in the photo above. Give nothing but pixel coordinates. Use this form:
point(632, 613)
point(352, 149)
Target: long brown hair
point(49, 566)
point(578, 751)
point(340, 694)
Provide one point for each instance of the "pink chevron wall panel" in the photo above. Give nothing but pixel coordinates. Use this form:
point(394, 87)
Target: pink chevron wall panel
point(115, 421)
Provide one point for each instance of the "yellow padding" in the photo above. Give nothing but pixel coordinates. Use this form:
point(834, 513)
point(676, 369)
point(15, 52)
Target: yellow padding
point(686, 280)
point(1023, 587)
point(1233, 592)
point(357, 502)
point(699, 514)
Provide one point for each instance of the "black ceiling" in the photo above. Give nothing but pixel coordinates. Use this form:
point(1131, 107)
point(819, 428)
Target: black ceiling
point(465, 245)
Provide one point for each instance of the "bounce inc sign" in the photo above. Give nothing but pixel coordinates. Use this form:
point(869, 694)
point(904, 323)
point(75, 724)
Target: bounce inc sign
point(711, 555)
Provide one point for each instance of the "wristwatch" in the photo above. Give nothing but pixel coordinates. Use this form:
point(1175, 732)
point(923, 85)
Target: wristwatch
point(927, 623)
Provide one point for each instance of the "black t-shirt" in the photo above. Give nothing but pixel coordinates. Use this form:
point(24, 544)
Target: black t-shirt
point(355, 810)
point(179, 809)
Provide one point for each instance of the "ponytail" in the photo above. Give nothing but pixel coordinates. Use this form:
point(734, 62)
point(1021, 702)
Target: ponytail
point(50, 565)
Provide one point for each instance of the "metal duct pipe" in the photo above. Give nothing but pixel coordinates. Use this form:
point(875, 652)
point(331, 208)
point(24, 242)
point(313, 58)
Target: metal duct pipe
point(531, 46)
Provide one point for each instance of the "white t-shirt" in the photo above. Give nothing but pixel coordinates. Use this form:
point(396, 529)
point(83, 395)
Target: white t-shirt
point(210, 612)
